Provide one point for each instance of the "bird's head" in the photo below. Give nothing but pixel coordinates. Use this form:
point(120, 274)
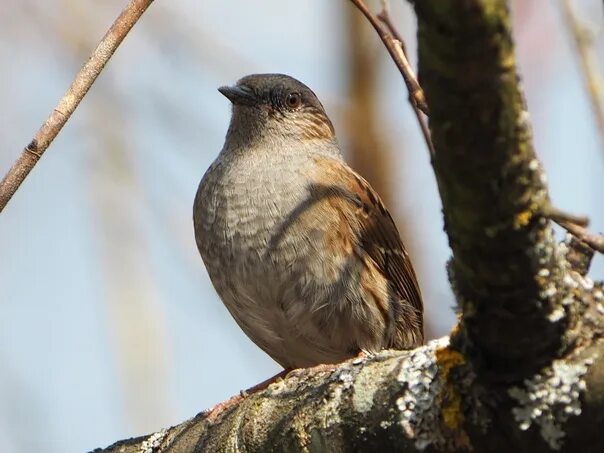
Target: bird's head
point(276, 107)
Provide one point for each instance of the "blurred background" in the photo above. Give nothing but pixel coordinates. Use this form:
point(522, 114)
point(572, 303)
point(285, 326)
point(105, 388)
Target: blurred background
point(109, 326)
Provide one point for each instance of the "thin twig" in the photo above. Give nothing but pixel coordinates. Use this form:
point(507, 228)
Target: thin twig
point(575, 225)
point(384, 16)
point(67, 105)
point(396, 48)
point(423, 125)
point(415, 90)
point(557, 215)
point(395, 51)
point(588, 61)
point(595, 241)
point(362, 121)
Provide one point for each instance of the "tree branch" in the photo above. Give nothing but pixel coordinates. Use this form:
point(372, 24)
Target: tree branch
point(69, 102)
point(396, 48)
point(596, 242)
point(424, 400)
point(363, 125)
point(588, 61)
point(506, 268)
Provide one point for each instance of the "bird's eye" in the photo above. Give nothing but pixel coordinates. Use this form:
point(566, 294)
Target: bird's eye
point(293, 100)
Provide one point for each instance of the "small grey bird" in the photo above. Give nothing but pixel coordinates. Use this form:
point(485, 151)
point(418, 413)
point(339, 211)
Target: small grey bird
point(299, 247)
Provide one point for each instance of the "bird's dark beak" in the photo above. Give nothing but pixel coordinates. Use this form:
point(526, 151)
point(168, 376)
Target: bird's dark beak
point(239, 95)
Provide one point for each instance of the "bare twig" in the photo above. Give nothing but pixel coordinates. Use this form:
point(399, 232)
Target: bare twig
point(557, 215)
point(396, 48)
point(362, 122)
point(395, 51)
point(67, 105)
point(384, 16)
point(588, 61)
point(425, 131)
point(575, 225)
point(595, 241)
point(415, 90)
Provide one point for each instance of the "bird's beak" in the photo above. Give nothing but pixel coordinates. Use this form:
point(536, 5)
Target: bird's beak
point(239, 95)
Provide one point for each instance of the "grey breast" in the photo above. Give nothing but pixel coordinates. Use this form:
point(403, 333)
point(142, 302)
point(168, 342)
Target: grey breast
point(254, 248)
point(240, 208)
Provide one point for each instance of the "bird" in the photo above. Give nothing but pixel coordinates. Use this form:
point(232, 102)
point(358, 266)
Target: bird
point(299, 247)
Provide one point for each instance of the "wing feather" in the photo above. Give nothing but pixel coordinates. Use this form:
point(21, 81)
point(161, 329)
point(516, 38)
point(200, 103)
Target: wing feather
point(380, 239)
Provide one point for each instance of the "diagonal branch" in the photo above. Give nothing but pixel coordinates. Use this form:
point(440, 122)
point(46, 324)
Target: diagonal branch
point(69, 102)
point(396, 48)
point(589, 62)
point(594, 241)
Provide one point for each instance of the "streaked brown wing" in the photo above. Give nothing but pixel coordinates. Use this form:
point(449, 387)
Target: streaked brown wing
point(380, 239)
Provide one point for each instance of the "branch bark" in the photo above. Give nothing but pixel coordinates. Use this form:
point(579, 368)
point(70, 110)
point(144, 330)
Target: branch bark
point(70, 100)
point(426, 400)
point(524, 369)
point(505, 260)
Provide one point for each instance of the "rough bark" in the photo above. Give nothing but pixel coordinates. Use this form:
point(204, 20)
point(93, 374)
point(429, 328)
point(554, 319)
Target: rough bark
point(430, 399)
point(524, 370)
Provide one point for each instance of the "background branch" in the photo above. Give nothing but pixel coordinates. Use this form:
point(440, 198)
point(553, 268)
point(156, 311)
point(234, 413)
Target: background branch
point(588, 61)
point(69, 102)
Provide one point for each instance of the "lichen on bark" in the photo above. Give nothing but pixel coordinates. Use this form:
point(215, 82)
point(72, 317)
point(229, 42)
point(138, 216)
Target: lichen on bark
point(492, 186)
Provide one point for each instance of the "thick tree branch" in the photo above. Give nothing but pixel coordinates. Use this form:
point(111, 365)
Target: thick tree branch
point(579, 254)
point(69, 102)
point(507, 269)
point(426, 400)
